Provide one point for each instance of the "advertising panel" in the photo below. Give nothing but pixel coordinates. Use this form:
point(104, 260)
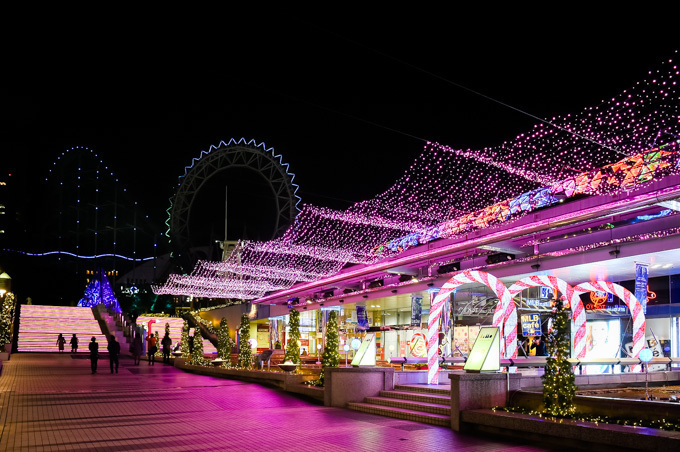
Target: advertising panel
point(416, 310)
point(641, 284)
point(531, 325)
point(362, 318)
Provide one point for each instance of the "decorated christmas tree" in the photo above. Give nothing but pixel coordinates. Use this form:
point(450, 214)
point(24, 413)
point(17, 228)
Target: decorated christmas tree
point(197, 355)
point(331, 355)
point(159, 351)
point(558, 380)
point(224, 342)
point(99, 291)
point(293, 348)
point(245, 354)
point(185, 340)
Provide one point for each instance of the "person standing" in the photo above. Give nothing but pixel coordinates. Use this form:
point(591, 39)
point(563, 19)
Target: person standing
point(114, 351)
point(151, 348)
point(60, 342)
point(94, 354)
point(136, 347)
point(539, 345)
point(166, 342)
point(74, 343)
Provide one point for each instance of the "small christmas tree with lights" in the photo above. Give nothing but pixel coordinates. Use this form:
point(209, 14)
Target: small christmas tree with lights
point(293, 348)
point(197, 354)
point(6, 310)
point(185, 340)
point(224, 342)
point(158, 342)
point(331, 355)
point(245, 353)
point(559, 388)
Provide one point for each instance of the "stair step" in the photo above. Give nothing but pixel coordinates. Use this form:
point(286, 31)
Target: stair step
point(401, 413)
point(428, 389)
point(436, 408)
point(417, 396)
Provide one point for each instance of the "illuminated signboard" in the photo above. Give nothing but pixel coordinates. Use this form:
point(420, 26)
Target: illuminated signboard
point(365, 356)
point(531, 325)
point(486, 353)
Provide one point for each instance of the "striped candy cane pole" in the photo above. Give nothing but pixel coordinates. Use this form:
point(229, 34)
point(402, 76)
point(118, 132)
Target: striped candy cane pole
point(465, 277)
point(559, 285)
point(639, 322)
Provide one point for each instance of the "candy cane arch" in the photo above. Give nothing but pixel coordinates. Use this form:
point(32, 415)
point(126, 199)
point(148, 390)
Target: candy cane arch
point(503, 307)
point(639, 323)
point(566, 289)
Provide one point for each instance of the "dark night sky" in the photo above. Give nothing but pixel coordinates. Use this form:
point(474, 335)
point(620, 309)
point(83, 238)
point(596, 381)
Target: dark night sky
point(347, 99)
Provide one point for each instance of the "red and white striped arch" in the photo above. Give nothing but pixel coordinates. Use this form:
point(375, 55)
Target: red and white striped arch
point(505, 314)
point(639, 322)
point(571, 295)
point(456, 281)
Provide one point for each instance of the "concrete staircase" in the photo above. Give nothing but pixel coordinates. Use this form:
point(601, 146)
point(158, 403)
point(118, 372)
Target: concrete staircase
point(116, 329)
point(420, 403)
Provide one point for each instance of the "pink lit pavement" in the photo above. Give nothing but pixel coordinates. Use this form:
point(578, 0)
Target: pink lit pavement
point(51, 402)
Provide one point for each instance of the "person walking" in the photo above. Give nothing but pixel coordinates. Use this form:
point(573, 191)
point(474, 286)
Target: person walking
point(151, 348)
point(114, 351)
point(60, 342)
point(136, 347)
point(74, 343)
point(94, 354)
point(166, 342)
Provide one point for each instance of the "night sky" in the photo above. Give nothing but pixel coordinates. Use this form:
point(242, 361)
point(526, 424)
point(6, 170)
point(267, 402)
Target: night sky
point(347, 99)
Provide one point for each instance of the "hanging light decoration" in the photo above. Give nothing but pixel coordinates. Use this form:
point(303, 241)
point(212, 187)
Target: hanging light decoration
point(615, 146)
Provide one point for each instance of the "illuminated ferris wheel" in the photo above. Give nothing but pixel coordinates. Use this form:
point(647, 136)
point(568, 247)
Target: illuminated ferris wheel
point(238, 155)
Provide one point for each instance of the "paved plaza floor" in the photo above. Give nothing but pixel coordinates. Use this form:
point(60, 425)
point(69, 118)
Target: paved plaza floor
point(52, 402)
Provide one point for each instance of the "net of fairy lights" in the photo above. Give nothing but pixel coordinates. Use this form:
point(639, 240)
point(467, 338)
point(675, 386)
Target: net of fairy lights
point(625, 141)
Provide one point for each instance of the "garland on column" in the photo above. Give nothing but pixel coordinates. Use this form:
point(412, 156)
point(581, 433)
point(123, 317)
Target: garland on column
point(331, 356)
point(224, 342)
point(184, 343)
point(245, 354)
point(293, 348)
point(559, 388)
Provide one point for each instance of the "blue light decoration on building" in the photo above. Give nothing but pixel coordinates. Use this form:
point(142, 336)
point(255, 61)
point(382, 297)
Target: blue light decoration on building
point(99, 292)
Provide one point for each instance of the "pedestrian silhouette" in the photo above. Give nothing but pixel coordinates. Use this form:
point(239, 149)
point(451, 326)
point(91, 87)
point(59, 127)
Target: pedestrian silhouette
point(114, 351)
point(166, 342)
point(74, 343)
point(94, 354)
point(60, 342)
point(151, 348)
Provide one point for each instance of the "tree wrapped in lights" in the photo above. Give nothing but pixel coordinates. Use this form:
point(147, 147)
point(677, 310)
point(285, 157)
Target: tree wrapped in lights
point(245, 353)
point(186, 352)
point(331, 355)
point(293, 347)
point(224, 342)
point(159, 350)
point(197, 354)
point(558, 380)
point(6, 319)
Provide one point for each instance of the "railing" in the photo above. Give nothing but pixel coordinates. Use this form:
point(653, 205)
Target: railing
point(540, 361)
